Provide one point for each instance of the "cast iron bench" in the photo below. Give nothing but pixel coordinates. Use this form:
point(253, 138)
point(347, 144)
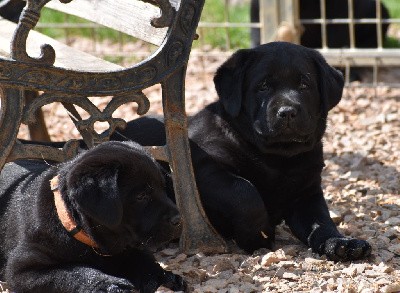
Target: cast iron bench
point(66, 75)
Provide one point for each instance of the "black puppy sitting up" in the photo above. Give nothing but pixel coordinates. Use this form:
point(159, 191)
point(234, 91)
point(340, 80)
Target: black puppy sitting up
point(257, 152)
point(91, 233)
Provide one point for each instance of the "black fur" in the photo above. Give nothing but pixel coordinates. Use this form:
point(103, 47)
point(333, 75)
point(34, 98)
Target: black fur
point(259, 157)
point(11, 10)
point(116, 192)
point(257, 152)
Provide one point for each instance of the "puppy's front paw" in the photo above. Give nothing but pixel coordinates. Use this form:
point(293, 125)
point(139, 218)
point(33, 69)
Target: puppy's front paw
point(115, 285)
point(254, 242)
point(346, 249)
point(174, 282)
point(166, 279)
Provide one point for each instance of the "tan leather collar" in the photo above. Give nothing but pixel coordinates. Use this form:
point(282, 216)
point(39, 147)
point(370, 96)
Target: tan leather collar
point(66, 219)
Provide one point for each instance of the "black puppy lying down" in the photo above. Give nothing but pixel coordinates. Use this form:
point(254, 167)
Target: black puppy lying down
point(257, 151)
point(111, 198)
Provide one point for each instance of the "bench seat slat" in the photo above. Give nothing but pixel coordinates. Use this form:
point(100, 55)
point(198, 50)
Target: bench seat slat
point(66, 57)
point(129, 16)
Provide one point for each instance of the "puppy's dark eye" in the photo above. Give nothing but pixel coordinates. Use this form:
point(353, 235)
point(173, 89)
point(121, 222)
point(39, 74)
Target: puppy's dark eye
point(304, 83)
point(264, 86)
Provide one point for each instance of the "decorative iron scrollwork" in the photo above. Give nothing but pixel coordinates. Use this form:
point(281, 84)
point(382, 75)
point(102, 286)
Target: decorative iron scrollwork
point(35, 75)
point(175, 51)
point(146, 74)
point(88, 125)
point(187, 18)
point(40, 152)
point(29, 18)
point(5, 72)
point(167, 13)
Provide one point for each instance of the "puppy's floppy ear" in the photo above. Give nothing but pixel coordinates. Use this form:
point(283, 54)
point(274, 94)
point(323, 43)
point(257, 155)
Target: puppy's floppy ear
point(331, 82)
point(94, 188)
point(228, 81)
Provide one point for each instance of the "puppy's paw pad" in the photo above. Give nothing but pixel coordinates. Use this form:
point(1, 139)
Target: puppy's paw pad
point(346, 249)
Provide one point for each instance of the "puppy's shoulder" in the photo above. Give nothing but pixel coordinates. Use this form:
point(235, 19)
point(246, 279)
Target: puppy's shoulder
point(211, 136)
point(15, 173)
point(206, 122)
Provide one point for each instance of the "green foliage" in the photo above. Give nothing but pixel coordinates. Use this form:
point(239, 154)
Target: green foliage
point(394, 10)
point(391, 43)
point(394, 7)
point(82, 27)
point(215, 12)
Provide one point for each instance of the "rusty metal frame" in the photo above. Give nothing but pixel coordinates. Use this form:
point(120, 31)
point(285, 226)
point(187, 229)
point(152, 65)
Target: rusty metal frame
point(22, 73)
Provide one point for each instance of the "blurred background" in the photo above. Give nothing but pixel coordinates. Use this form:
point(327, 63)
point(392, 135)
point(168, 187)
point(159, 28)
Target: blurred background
point(359, 37)
point(370, 35)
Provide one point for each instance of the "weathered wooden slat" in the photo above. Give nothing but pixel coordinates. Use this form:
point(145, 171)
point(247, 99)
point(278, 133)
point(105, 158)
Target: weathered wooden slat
point(66, 56)
point(132, 17)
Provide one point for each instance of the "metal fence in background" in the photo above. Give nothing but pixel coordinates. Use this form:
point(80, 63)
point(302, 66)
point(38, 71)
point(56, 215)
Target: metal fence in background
point(287, 20)
point(349, 54)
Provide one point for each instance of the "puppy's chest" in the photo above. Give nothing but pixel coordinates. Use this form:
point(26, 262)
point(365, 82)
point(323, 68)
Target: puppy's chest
point(279, 185)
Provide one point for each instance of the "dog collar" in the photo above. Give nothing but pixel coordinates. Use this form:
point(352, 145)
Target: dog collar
point(66, 219)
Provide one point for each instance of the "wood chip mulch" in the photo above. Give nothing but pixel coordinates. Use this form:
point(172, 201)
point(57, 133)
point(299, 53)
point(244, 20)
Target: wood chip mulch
point(362, 187)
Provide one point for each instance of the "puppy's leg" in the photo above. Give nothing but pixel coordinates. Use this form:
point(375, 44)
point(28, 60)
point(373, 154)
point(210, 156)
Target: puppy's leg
point(309, 221)
point(32, 270)
point(234, 207)
point(141, 268)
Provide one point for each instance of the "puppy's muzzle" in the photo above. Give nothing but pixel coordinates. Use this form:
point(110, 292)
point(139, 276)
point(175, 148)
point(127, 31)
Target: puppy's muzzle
point(286, 113)
point(285, 119)
point(174, 225)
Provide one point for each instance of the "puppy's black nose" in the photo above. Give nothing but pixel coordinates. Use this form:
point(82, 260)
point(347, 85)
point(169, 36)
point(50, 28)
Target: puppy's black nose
point(175, 220)
point(286, 112)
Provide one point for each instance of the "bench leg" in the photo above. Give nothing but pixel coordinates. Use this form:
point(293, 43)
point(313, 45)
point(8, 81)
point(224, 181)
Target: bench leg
point(38, 130)
point(10, 120)
point(198, 235)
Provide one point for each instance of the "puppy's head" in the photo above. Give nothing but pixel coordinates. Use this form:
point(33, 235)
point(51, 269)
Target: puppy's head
point(116, 191)
point(278, 95)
